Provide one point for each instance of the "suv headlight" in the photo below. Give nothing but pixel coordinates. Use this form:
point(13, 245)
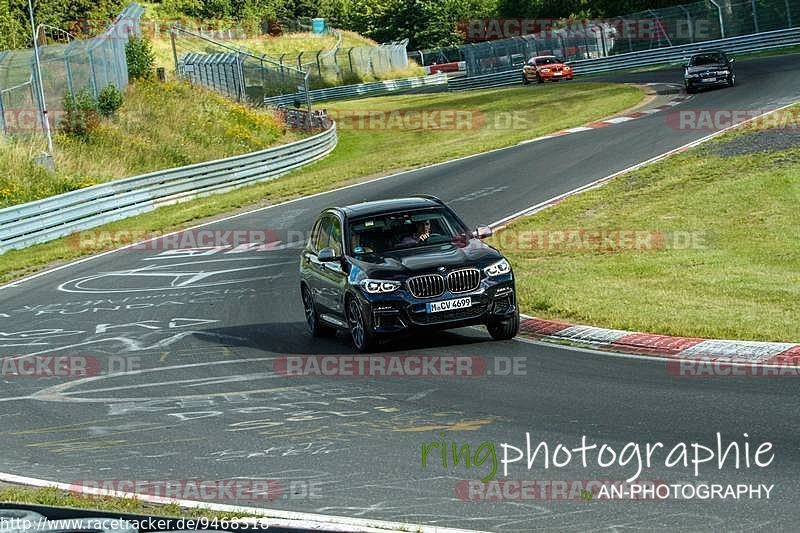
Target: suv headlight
point(723, 72)
point(379, 286)
point(497, 269)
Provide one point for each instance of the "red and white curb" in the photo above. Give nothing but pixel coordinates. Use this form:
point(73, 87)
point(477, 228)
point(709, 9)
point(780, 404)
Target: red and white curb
point(689, 348)
point(677, 100)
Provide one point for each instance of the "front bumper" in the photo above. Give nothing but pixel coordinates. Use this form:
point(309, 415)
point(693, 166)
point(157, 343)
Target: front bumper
point(714, 81)
point(399, 312)
point(548, 76)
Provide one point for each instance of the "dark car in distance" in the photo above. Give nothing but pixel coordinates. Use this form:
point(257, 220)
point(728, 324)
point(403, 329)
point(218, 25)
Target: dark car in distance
point(708, 69)
point(384, 268)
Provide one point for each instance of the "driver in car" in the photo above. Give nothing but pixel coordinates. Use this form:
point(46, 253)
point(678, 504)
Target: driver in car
point(421, 235)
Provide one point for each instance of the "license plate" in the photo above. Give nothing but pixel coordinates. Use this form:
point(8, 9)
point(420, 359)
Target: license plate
point(556, 74)
point(708, 80)
point(449, 305)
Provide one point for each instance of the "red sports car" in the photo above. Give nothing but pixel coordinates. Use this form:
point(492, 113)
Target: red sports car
point(545, 68)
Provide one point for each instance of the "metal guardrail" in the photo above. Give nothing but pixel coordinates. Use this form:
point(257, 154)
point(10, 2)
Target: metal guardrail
point(360, 90)
point(44, 220)
point(646, 58)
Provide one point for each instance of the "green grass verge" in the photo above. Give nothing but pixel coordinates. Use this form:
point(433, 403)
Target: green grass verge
point(363, 153)
point(159, 126)
point(739, 278)
point(58, 498)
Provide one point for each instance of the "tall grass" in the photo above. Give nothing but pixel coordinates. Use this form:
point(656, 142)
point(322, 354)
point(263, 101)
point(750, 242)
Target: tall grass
point(159, 126)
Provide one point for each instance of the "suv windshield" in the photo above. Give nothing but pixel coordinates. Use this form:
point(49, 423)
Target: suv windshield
point(401, 231)
point(707, 59)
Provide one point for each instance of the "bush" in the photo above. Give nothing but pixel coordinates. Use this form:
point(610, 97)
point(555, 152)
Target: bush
point(141, 59)
point(82, 113)
point(109, 100)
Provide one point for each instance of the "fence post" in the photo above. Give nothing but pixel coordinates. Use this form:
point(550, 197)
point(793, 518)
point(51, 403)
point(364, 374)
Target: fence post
point(755, 15)
point(721, 22)
point(172, 31)
point(2, 114)
point(93, 74)
point(319, 65)
point(788, 14)
point(308, 98)
point(68, 69)
point(689, 24)
point(263, 80)
point(350, 59)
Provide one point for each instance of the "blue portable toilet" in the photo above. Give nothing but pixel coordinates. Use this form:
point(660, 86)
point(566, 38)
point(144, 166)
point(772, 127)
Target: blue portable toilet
point(318, 25)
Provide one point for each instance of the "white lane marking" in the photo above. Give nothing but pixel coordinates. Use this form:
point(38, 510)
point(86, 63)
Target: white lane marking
point(579, 129)
point(542, 205)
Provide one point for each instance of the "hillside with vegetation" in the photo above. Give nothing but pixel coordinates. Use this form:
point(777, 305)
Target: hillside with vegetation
point(426, 23)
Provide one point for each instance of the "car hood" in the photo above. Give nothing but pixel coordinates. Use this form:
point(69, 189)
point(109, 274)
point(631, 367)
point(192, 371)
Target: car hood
point(428, 259)
point(704, 68)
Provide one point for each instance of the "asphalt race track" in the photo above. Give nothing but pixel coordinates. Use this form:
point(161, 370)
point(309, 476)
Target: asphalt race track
point(205, 329)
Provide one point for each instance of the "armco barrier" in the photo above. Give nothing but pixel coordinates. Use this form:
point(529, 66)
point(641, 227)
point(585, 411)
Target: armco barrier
point(43, 220)
point(362, 89)
point(645, 58)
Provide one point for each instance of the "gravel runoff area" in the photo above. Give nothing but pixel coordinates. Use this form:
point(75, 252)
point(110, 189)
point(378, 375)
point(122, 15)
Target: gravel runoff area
point(775, 139)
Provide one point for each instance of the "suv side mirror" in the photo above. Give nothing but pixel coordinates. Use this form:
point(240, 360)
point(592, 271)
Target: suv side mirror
point(326, 255)
point(482, 232)
point(731, 60)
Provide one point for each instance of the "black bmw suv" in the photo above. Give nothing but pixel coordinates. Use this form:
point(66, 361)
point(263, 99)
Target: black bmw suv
point(378, 269)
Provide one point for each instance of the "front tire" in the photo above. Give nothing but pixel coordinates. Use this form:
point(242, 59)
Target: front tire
point(525, 80)
point(315, 327)
point(363, 340)
point(732, 80)
point(503, 330)
point(539, 78)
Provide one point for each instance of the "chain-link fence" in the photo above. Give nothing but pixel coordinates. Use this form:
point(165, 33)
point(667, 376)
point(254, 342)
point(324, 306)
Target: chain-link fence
point(65, 68)
point(244, 76)
point(348, 64)
point(234, 72)
point(505, 44)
